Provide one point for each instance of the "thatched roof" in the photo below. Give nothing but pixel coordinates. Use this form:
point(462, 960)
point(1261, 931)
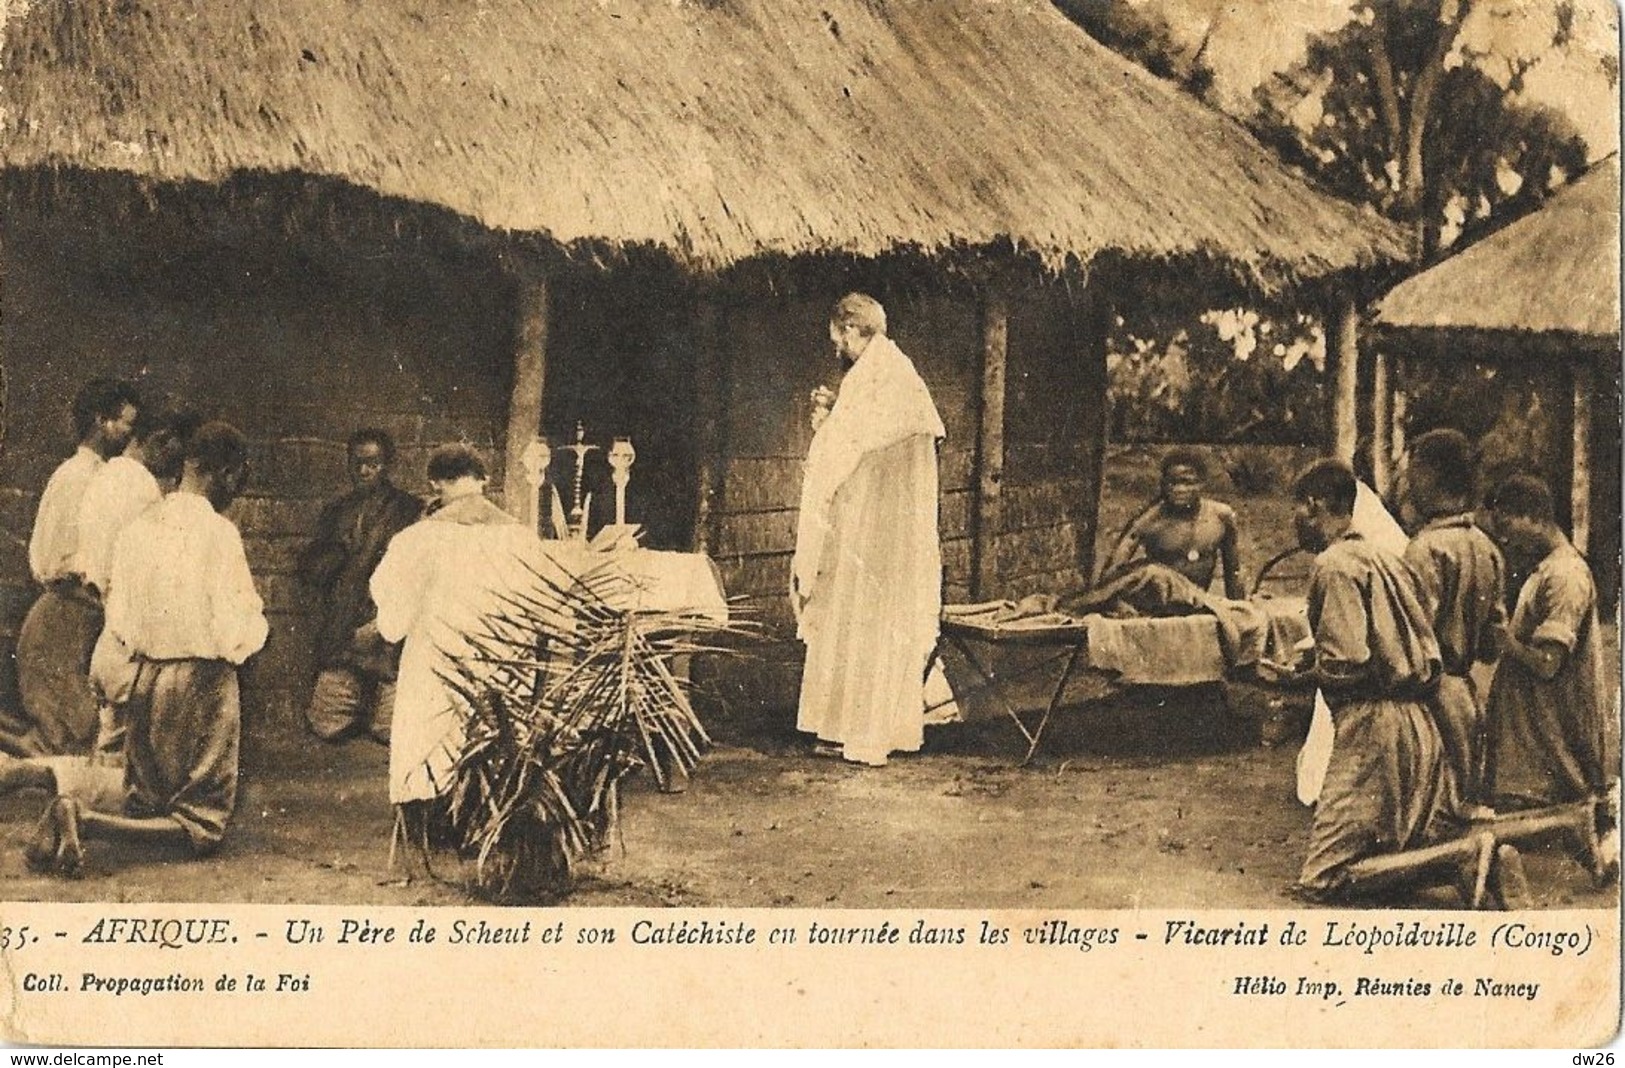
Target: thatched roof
point(720, 130)
point(1553, 271)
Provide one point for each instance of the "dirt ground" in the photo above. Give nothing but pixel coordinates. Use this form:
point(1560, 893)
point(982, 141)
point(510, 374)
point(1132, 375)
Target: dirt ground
point(1147, 799)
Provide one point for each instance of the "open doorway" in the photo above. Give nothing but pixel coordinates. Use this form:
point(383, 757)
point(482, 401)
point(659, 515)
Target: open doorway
point(621, 362)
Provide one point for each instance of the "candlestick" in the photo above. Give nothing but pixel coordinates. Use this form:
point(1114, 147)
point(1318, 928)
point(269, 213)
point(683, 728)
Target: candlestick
point(620, 456)
point(534, 461)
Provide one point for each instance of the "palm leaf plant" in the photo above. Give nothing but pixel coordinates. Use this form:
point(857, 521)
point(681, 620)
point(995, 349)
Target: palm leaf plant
point(563, 697)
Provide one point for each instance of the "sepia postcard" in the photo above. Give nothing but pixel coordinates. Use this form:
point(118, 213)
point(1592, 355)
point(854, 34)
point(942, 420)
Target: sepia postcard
point(855, 523)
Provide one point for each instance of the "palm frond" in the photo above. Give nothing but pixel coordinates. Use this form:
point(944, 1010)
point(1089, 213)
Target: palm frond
point(564, 695)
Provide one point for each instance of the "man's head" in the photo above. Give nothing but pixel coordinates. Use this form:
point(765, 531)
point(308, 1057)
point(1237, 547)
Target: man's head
point(853, 323)
point(456, 471)
point(1323, 503)
point(1520, 516)
point(104, 413)
point(216, 463)
point(1439, 472)
point(164, 432)
point(371, 452)
point(1183, 475)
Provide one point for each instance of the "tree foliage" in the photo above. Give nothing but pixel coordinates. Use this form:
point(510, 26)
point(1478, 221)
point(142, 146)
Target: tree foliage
point(1417, 107)
point(1231, 376)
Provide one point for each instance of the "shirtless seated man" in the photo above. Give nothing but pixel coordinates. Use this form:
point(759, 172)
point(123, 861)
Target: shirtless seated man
point(1182, 534)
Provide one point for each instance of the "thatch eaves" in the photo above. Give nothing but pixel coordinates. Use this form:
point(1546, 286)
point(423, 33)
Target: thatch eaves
point(1554, 271)
point(720, 130)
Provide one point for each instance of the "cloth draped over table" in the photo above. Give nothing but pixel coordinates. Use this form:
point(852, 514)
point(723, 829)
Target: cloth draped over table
point(1372, 522)
point(1181, 636)
point(1155, 647)
point(646, 580)
point(868, 560)
point(443, 582)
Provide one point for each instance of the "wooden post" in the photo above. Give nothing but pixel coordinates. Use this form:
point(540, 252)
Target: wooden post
point(1381, 424)
point(1400, 414)
point(711, 426)
point(1580, 486)
point(1094, 383)
point(1343, 359)
point(990, 443)
point(525, 399)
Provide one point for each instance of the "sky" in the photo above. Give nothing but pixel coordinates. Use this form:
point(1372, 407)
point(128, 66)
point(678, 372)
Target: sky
point(1252, 38)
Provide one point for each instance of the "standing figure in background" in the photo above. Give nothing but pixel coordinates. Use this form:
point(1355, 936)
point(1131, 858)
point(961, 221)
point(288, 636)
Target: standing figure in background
point(355, 668)
point(866, 580)
point(55, 643)
point(1463, 583)
point(1546, 707)
point(1183, 530)
point(182, 601)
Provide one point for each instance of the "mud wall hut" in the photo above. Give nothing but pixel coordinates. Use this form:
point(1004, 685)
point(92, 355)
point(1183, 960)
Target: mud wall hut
point(490, 220)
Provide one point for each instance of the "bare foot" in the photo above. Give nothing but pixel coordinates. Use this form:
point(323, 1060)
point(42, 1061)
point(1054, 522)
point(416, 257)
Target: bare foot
point(41, 849)
point(1483, 863)
point(1511, 885)
point(70, 851)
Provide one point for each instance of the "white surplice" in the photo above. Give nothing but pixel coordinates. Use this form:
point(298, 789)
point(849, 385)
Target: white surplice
point(868, 560)
point(438, 582)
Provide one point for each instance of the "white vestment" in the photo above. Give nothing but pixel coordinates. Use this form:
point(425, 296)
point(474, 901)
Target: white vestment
point(439, 581)
point(1373, 523)
point(868, 561)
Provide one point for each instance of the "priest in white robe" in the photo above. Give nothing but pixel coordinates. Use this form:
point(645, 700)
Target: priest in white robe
point(438, 583)
point(866, 582)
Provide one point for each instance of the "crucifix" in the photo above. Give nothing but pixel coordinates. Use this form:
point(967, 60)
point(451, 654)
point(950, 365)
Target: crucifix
point(580, 504)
